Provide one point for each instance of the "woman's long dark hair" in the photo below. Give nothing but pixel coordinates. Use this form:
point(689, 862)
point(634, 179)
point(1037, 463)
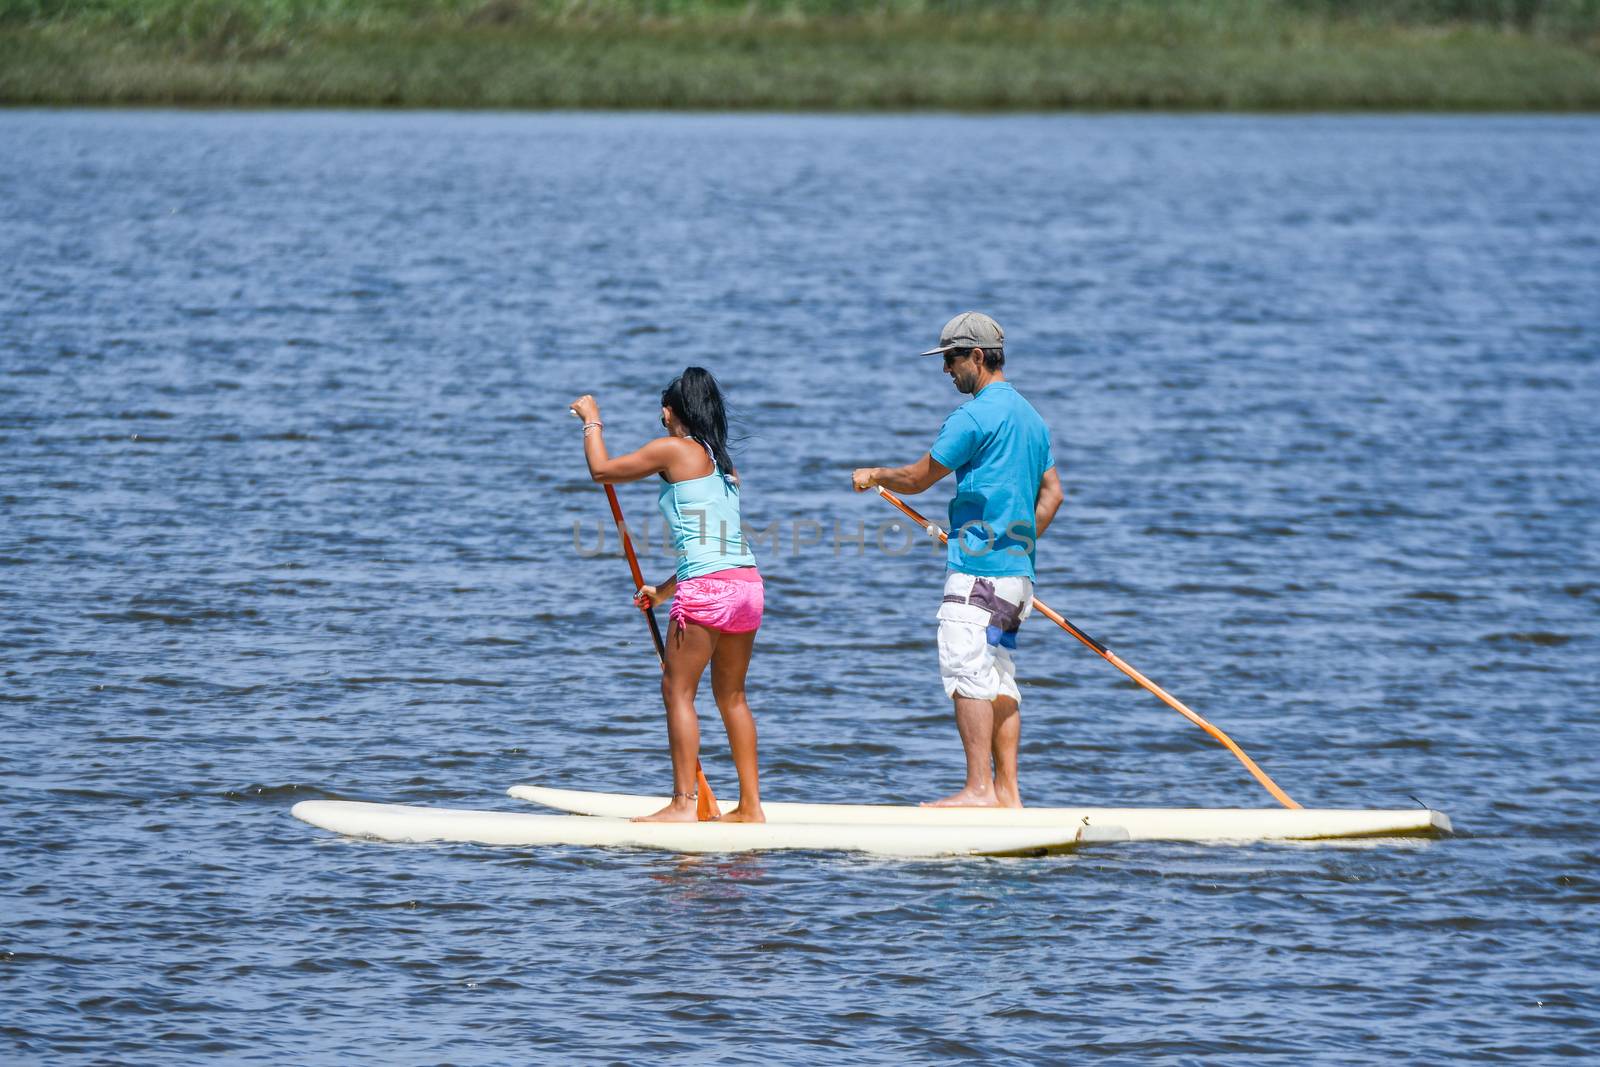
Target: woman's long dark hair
point(695, 398)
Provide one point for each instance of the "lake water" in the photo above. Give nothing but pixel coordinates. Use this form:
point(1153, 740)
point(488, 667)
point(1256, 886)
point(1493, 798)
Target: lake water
point(293, 508)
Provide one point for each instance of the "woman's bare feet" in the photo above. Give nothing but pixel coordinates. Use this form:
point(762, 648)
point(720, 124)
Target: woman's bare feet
point(681, 809)
point(967, 798)
point(753, 813)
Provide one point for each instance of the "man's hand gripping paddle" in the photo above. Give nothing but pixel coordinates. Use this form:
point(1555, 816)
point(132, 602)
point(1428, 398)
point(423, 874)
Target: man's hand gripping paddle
point(1116, 661)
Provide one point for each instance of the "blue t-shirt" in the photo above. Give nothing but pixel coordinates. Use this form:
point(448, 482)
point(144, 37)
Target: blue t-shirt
point(999, 448)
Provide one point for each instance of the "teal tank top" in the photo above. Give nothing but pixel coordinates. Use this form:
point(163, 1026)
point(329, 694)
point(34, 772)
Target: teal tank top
point(703, 518)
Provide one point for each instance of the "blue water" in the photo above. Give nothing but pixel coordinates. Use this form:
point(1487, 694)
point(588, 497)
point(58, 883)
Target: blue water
point(289, 498)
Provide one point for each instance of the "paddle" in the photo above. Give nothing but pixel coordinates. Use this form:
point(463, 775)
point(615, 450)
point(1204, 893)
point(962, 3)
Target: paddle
point(1116, 661)
point(706, 802)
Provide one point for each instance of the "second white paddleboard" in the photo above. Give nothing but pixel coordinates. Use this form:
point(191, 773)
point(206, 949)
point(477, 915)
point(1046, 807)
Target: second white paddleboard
point(1141, 824)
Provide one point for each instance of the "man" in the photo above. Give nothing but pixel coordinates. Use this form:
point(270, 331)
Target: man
point(1007, 492)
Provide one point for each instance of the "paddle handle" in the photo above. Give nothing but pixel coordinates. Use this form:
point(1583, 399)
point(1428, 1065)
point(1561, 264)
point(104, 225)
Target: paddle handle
point(1116, 661)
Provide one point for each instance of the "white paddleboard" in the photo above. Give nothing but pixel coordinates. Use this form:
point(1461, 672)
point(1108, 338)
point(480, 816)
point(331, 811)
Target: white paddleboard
point(398, 822)
point(1141, 824)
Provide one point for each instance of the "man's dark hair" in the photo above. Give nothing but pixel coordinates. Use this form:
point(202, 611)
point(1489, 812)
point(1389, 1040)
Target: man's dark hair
point(993, 358)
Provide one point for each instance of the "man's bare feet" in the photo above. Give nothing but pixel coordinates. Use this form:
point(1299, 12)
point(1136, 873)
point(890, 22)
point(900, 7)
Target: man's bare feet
point(967, 798)
point(1006, 798)
point(682, 809)
point(743, 814)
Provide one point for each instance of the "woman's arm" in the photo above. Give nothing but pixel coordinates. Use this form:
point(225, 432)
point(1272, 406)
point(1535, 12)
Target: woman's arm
point(653, 596)
point(653, 458)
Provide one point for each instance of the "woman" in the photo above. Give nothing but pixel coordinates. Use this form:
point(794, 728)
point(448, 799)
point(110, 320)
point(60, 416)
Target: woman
point(716, 591)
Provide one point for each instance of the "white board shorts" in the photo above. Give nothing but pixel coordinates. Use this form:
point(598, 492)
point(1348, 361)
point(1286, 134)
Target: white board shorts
point(978, 620)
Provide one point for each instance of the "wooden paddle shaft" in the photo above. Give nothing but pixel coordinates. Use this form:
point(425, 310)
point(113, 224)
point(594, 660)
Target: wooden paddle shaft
point(638, 575)
point(1117, 662)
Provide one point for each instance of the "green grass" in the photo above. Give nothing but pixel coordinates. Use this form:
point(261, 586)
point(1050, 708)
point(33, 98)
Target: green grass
point(805, 54)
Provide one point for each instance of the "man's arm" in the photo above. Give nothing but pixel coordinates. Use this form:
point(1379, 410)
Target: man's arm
point(911, 479)
point(1050, 498)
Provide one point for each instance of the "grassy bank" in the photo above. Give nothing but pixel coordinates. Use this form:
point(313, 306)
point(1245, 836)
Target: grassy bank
point(805, 54)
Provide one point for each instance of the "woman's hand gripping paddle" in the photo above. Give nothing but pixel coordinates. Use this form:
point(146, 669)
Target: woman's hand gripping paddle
point(1116, 661)
point(706, 803)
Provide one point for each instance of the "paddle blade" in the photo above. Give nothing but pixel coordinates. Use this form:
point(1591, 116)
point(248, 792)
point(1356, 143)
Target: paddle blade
point(706, 807)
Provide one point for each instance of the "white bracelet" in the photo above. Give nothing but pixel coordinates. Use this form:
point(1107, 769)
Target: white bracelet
point(591, 426)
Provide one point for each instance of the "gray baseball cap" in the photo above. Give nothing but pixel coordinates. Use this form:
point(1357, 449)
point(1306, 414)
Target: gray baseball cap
point(970, 329)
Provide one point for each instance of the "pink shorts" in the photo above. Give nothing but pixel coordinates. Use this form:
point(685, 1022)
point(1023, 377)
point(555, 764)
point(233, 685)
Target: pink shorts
point(729, 601)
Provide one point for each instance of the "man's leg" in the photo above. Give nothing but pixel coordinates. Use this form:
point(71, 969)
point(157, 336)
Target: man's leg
point(967, 671)
point(1007, 731)
point(975, 723)
point(1007, 734)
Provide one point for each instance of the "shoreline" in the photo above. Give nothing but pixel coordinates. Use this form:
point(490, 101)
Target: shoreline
point(837, 65)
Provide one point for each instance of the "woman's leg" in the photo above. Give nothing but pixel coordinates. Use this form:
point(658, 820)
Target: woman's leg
point(729, 663)
point(689, 649)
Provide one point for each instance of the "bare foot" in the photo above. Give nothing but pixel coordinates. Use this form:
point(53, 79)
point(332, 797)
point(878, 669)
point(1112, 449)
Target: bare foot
point(1006, 798)
point(967, 798)
point(677, 811)
point(743, 814)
